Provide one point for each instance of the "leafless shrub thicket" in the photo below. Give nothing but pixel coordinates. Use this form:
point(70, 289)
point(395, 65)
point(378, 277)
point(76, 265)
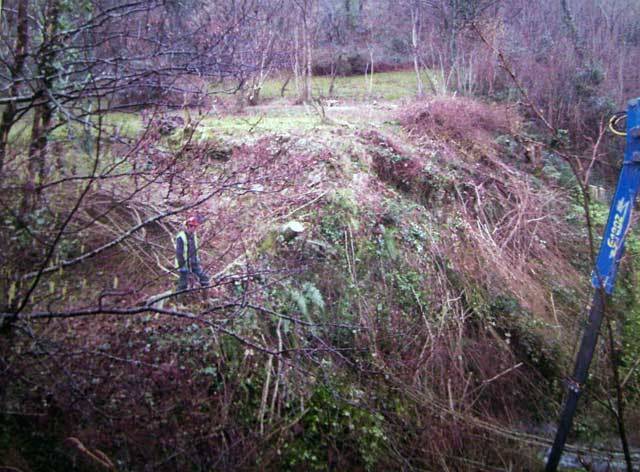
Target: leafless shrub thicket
point(114, 356)
point(575, 58)
point(507, 221)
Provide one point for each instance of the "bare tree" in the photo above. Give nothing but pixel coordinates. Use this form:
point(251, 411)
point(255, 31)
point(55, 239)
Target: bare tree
point(303, 47)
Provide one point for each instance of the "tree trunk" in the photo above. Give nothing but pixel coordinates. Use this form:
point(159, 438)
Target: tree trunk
point(570, 23)
point(306, 49)
point(370, 91)
point(283, 89)
point(415, 33)
point(620, 400)
point(296, 62)
point(43, 115)
point(334, 70)
point(37, 146)
point(265, 68)
point(9, 113)
point(303, 45)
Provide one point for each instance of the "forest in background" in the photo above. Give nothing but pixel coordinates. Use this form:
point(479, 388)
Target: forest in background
point(401, 202)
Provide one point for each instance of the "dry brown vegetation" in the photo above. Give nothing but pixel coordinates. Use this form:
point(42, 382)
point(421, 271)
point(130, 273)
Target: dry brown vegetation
point(413, 322)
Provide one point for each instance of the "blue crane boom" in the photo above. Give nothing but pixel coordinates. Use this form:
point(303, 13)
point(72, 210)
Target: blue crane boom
point(604, 275)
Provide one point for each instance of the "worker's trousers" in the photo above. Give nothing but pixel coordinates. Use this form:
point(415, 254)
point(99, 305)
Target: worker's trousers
point(183, 281)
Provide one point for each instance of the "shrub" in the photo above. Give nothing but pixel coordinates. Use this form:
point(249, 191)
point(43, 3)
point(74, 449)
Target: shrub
point(341, 63)
point(459, 119)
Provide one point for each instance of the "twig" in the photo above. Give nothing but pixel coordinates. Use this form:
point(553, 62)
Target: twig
point(507, 67)
point(630, 373)
point(501, 374)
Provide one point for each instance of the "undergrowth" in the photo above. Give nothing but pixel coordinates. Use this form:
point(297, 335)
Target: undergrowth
point(421, 317)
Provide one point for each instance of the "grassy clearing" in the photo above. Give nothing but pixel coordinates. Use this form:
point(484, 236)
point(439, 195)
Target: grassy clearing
point(20, 134)
point(122, 124)
point(276, 115)
point(213, 125)
point(281, 121)
point(386, 86)
point(126, 124)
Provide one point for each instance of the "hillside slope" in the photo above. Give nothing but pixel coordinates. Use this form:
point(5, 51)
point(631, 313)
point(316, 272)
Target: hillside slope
point(419, 316)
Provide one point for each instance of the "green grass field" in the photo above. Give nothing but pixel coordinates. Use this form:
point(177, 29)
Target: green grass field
point(267, 121)
point(386, 86)
point(274, 113)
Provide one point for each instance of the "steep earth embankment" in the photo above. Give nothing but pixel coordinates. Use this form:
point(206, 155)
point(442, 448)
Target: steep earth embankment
point(384, 297)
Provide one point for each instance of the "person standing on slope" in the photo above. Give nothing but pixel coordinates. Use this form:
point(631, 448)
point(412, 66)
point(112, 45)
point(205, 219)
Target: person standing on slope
point(187, 260)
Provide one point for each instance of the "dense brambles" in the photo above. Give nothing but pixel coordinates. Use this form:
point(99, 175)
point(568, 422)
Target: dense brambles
point(421, 314)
